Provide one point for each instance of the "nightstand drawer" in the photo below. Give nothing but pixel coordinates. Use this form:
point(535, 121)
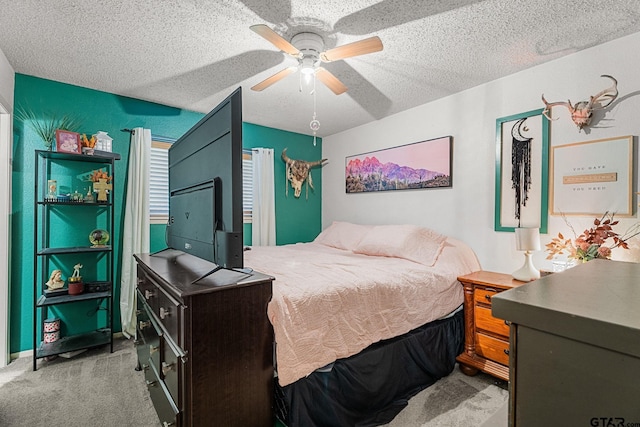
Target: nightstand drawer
point(484, 320)
point(492, 348)
point(483, 295)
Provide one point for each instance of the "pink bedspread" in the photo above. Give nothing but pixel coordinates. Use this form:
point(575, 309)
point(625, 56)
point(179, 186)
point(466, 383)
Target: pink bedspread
point(329, 303)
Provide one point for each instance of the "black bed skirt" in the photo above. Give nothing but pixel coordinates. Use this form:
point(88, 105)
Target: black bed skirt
point(373, 386)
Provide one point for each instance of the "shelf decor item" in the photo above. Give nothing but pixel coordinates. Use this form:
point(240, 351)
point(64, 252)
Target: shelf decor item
point(99, 238)
point(102, 187)
point(50, 337)
point(103, 141)
point(76, 286)
point(52, 187)
point(55, 280)
point(68, 142)
point(51, 324)
point(88, 145)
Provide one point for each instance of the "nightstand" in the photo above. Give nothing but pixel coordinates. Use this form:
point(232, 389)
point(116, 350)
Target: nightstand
point(486, 338)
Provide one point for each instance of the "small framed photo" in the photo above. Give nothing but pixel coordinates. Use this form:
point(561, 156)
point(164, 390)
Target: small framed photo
point(68, 142)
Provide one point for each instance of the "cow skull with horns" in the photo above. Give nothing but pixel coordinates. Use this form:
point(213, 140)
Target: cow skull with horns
point(299, 171)
point(582, 111)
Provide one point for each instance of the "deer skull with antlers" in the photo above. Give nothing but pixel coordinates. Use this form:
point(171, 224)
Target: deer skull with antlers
point(582, 111)
point(299, 171)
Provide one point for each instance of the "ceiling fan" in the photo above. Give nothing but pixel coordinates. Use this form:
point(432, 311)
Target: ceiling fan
point(308, 49)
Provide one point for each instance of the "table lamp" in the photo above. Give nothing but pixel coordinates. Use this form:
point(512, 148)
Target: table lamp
point(527, 240)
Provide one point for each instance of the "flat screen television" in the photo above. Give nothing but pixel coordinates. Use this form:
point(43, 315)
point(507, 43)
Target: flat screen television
point(205, 187)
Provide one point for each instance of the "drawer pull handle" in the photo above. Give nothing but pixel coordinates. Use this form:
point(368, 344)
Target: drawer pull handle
point(153, 348)
point(151, 383)
point(144, 325)
point(145, 367)
point(149, 294)
point(506, 351)
point(487, 297)
point(164, 312)
point(138, 312)
point(166, 424)
point(508, 323)
point(167, 367)
point(140, 281)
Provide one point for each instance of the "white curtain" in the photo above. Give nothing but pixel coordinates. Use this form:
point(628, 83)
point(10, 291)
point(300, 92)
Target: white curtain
point(136, 224)
point(264, 205)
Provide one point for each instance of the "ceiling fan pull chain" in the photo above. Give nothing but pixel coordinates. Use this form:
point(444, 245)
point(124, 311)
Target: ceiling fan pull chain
point(315, 124)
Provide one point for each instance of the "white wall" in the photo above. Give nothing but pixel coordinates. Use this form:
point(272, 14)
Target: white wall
point(466, 211)
point(7, 79)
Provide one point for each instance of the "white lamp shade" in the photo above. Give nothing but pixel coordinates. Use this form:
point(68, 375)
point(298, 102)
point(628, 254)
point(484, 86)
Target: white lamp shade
point(527, 239)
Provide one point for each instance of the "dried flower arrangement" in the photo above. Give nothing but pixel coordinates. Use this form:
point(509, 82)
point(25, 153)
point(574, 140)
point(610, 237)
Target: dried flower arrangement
point(591, 243)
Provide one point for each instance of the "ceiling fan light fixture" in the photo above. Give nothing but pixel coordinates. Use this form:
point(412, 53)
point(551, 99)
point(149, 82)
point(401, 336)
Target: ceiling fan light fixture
point(309, 50)
point(308, 66)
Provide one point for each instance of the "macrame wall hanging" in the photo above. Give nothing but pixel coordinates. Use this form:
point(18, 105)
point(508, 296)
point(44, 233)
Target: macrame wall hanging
point(520, 166)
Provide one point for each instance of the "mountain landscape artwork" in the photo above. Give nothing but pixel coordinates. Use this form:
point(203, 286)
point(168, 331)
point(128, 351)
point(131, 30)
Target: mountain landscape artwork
point(425, 164)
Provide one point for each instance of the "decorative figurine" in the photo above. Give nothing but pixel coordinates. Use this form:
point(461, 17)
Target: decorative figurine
point(76, 286)
point(76, 197)
point(55, 280)
point(89, 196)
point(76, 272)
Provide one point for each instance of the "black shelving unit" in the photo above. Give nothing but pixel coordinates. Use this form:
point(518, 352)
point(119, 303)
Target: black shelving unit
point(60, 246)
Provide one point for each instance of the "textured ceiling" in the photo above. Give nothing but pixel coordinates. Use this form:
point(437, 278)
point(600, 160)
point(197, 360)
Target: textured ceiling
point(192, 53)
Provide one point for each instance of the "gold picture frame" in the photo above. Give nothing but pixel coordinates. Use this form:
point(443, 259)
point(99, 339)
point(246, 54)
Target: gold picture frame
point(593, 177)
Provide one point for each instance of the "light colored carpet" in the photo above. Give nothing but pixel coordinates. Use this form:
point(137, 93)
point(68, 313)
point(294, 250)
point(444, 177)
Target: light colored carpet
point(95, 388)
point(98, 388)
point(456, 401)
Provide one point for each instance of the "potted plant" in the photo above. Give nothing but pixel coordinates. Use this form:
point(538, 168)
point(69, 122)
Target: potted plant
point(45, 125)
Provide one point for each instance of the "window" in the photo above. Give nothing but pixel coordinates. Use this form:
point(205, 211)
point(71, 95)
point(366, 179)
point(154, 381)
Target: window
point(159, 184)
point(247, 187)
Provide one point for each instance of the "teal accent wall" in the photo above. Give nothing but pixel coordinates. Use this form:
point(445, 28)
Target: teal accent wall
point(298, 220)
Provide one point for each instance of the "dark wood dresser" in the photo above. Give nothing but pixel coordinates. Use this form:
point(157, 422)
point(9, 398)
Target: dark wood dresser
point(207, 347)
point(575, 346)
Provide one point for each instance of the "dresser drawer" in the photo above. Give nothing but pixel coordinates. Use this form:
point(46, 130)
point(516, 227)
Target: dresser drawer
point(172, 370)
point(492, 348)
point(148, 334)
point(148, 290)
point(169, 313)
point(483, 295)
point(485, 320)
point(162, 402)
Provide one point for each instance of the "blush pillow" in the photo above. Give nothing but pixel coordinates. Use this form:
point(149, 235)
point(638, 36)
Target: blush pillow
point(417, 244)
point(342, 235)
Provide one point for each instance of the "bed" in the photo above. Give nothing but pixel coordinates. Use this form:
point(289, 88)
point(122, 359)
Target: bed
point(364, 317)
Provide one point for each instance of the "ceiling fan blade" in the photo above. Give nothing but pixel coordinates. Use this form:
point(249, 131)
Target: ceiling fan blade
point(330, 81)
point(362, 47)
point(274, 79)
point(275, 39)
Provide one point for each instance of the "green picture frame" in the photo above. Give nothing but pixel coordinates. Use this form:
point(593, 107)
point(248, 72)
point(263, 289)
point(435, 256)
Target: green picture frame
point(534, 212)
